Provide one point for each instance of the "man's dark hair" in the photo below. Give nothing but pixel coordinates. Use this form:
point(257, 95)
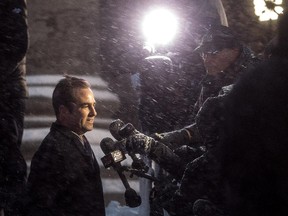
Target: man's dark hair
point(63, 93)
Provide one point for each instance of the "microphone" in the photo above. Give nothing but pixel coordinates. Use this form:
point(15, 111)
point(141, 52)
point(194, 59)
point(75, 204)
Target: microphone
point(127, 130)
point(114, 128)
point(112, 155)
point(120, 131)
point(107, 146)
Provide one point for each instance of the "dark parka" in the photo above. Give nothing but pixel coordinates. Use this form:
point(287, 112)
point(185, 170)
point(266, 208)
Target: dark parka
point(64, 180)
point(13, 92)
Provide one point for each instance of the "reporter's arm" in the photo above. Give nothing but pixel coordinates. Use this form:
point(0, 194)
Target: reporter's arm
point(167, 159)
point(186, 136)
point(139, 143)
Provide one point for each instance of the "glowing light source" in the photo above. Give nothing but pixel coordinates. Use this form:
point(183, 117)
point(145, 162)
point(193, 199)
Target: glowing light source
point(159, 27)
point(266, 14)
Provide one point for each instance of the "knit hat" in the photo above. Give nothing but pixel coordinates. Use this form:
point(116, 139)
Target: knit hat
point(216, 39)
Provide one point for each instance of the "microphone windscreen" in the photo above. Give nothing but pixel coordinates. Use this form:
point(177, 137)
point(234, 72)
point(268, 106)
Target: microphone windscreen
point(107, 145)
point(126, 130)
point(114, 128)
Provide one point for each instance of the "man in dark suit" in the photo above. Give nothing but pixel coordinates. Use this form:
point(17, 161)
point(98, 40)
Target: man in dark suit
point(65, 177)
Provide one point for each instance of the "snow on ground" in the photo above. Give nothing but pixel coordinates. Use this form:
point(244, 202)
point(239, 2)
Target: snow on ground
point(115, 209)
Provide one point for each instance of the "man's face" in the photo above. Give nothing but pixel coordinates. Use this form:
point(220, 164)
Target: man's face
point(217, 62)
point(81, 118)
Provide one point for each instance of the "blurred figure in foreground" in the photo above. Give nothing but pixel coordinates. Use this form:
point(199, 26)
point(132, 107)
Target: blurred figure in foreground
point(65, 176)
point(13, 92)
point(254, 152)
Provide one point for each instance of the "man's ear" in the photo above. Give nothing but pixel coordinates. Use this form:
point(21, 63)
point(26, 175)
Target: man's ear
point(63, 110)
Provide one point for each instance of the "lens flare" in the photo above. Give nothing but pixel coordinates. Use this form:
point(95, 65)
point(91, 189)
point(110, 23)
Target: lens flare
point(159, 27)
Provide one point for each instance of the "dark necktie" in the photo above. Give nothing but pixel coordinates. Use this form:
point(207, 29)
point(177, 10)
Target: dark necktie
point(88, 149)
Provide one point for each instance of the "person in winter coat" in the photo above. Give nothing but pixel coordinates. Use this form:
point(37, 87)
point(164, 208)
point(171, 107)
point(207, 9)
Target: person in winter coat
point(65, 176)
point(13, 92)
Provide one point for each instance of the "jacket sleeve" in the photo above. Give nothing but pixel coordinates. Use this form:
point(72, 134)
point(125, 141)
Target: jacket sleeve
point(208, 120)
point(167, 159)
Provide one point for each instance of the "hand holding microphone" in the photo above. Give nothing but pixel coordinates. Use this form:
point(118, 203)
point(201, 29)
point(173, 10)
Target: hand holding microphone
point(127, 135)
point(136, 142)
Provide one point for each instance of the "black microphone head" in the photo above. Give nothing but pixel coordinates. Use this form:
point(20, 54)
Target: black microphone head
point(127, 130)
point(107, 145)
point(114, 128)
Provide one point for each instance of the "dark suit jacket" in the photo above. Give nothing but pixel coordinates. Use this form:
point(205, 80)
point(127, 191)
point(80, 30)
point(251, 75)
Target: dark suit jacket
point(64, 180)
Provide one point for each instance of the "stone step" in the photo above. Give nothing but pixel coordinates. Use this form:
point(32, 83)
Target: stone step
point(33, 121)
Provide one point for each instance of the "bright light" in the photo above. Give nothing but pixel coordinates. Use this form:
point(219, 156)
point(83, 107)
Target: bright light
point(159, 27)
point(264, 13)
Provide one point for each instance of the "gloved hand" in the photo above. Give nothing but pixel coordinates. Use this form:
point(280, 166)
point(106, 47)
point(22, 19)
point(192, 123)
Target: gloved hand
point(139, 143)
point(188, 153)
point(174, 139)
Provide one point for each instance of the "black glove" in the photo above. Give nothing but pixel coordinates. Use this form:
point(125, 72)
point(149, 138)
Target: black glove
point(139, 143)
point(174, 139)
point(188, 153)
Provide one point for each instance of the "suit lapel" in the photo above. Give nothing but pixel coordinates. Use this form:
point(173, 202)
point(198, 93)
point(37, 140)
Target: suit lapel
point(93, 159)
point(76, 142)
point(80, 147)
